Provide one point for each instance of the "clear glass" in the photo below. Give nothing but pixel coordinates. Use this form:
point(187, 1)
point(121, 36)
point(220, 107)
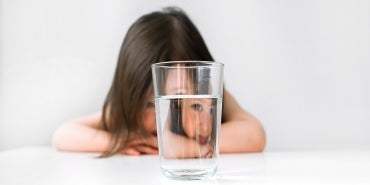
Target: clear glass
point(188, 102)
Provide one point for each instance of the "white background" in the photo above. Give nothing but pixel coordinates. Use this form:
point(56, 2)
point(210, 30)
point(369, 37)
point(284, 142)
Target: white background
point(302, 67)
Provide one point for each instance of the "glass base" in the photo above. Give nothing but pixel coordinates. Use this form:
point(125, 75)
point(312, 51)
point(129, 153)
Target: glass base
point(189, 174)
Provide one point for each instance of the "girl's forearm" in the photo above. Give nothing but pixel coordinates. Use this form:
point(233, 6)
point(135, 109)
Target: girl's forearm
point(80, 138)
point(242, 136)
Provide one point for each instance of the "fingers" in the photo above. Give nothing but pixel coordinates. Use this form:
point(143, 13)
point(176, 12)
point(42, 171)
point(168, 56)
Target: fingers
point(153, 141)
point(130, 151)
point(140, 149)
point(138, 146)
point(148, 141)
point(146, 149)
point(209, 154)
point(206, 151)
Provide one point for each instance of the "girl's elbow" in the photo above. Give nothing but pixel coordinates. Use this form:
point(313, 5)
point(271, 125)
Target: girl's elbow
point(257, 143)
point(59, 137)
point(260, 145)
point(260, 141)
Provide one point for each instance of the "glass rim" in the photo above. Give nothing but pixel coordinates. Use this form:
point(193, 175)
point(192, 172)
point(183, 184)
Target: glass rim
point(208, 64)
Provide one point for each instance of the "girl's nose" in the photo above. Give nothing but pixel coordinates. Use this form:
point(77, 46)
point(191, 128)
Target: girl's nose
point(205, 124)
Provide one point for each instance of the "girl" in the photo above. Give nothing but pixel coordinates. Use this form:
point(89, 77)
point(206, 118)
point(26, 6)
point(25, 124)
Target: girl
point(126, 125)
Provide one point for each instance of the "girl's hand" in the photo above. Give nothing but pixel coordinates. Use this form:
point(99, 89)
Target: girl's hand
point(140, 145)
point(182, 147)
point(207, 150)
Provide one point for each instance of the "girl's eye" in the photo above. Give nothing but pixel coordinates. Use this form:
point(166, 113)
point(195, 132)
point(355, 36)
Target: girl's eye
point(197, 107)
point(150, 105)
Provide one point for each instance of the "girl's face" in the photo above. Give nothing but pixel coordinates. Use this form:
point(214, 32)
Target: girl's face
point(197, 114)
point(149, 117)
point(197, 118)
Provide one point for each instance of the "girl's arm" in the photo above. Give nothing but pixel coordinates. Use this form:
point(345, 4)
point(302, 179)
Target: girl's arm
point(84, 135)
point(81, 135)
point(240, 131)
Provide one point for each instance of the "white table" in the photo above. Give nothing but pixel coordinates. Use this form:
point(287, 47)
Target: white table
point(45, 166)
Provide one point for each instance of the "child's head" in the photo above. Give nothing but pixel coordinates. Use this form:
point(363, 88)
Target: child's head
point(159, 36)
point(191, 117)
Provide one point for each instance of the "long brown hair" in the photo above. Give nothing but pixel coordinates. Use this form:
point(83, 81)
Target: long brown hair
point(159, 36)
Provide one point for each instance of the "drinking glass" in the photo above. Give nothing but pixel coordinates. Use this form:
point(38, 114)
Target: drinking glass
point(188, 105)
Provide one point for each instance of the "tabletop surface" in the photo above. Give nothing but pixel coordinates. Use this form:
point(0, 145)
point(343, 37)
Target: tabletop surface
point(44, 165)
